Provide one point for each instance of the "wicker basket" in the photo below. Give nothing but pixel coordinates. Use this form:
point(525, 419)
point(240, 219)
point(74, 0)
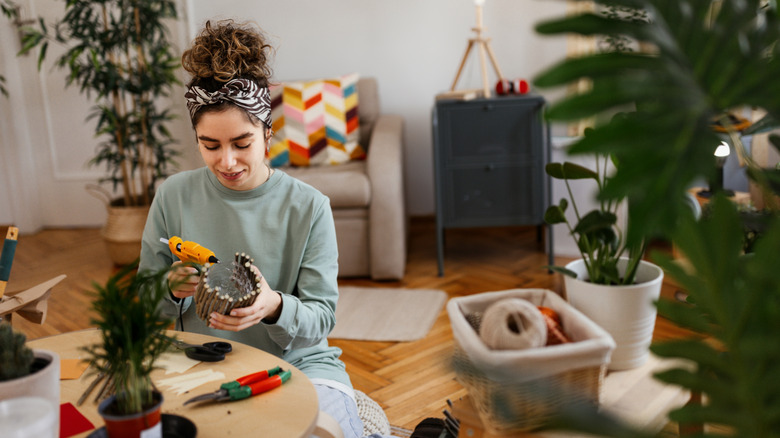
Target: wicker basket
point(520, 390)
point(123, 232)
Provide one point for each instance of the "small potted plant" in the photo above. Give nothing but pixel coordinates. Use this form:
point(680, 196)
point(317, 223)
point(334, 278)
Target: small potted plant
point(610, 282)
point(25, 372)
point(133, 336)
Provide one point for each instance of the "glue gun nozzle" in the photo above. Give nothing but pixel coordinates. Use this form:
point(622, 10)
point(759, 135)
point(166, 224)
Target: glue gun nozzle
point(213, 259)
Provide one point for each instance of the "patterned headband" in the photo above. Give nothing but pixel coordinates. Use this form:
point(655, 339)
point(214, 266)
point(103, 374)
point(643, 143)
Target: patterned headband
point(243, 93)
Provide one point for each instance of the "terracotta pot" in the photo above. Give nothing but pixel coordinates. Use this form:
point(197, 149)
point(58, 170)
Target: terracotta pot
point(626, 312)
point(43, 382)
point(146, 424)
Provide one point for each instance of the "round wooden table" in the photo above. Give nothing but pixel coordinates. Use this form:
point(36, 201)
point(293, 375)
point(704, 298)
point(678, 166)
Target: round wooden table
point(288, 411)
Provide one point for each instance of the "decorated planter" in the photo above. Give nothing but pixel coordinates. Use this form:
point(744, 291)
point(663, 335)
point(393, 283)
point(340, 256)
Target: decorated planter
point(626, 312)
point(146, 424)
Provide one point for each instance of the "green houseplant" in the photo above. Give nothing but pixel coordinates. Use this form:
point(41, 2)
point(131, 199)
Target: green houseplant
point(598, 236)
point(16, 358)
point(132, 337)
point(610, 283)
point(119, 55)
point(703, 60)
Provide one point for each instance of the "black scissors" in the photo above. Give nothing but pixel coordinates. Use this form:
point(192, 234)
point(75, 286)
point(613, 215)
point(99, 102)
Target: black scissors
point(208, 352)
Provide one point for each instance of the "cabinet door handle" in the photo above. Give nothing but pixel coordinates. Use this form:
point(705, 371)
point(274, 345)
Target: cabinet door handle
point(488, 107)
point(490, 167)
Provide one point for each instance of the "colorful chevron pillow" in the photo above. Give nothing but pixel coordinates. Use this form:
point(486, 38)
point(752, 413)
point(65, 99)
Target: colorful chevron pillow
point(315, 122)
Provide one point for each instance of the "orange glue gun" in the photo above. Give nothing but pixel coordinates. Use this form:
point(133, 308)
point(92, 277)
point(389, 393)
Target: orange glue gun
point(188, 251)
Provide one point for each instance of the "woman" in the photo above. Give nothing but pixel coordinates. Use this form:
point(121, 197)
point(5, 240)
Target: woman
point(238, 203)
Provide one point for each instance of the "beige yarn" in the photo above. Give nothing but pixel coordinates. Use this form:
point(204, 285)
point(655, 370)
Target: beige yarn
point(373, 416)
point(513, 324)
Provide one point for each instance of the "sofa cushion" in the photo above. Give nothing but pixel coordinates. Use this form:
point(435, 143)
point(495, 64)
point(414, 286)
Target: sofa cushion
point(316, 122)
point(346, 185)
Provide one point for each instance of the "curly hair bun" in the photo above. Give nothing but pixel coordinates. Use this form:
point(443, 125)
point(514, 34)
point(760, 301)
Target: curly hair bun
point(228, 50)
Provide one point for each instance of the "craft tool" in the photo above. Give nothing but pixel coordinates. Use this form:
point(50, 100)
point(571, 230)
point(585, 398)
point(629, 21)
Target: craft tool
point(247, 386)
point(188, 251)
point(7, 257)
point(208, 352)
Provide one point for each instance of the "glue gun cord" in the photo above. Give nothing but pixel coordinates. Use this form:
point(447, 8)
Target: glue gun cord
point(181, 319)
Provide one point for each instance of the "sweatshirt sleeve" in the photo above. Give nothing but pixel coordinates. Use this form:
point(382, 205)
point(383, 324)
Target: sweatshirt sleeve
point(309, 313)
point(155, 255)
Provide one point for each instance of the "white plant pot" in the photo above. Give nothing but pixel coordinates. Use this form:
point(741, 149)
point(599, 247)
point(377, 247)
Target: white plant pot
point(44, 383)
point(626, 312)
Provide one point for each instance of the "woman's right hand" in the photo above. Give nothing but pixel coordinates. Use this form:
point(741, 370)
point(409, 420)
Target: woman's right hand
point(182, 280)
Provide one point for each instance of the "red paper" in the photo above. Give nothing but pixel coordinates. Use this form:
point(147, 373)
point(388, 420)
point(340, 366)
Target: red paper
point(72, 422)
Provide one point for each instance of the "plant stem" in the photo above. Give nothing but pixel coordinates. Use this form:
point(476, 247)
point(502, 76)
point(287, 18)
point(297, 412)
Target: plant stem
point(143, 148)
point(116, 99)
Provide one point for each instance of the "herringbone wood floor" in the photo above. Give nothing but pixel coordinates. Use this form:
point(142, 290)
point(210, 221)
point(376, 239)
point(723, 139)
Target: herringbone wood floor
point(411, 381)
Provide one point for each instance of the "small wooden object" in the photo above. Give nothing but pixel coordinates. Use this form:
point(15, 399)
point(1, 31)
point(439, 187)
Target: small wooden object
point(242, 291)
point(483, 44)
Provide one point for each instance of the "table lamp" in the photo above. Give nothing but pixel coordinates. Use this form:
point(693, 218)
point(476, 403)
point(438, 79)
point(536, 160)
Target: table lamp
point(483, 44)
point(716, 184)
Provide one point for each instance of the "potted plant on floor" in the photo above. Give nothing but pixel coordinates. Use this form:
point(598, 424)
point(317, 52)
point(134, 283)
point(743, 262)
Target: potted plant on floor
point(705, 59)
point(133, 336)
point(28, 373)
point(609, 283)
point(118, 53)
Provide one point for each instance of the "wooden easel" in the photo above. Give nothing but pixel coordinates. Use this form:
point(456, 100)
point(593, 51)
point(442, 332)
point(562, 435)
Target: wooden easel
point(484, 47)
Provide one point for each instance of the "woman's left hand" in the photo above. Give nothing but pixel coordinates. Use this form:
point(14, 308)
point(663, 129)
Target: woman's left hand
point(268, 306)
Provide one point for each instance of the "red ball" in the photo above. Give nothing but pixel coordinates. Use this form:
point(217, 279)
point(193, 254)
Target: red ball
point(515, 86)
point(521, 86)
point(503, 87)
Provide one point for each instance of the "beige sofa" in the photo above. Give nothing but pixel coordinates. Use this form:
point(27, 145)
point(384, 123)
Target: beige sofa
point(367, 197)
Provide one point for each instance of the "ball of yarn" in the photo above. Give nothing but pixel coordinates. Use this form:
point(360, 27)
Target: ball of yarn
point(513, 324)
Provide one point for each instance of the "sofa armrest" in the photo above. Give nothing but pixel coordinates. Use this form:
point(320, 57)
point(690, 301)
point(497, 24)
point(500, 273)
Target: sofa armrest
point(387, 212)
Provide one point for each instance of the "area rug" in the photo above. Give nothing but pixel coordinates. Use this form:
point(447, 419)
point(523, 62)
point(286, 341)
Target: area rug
point(386, 314)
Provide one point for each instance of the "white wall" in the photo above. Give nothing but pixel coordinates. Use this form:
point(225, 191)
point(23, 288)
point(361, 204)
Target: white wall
point(413, 48)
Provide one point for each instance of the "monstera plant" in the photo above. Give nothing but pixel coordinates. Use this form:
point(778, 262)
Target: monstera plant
point(701, 60)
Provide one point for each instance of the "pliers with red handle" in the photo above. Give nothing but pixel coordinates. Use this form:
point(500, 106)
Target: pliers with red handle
point(247, 386)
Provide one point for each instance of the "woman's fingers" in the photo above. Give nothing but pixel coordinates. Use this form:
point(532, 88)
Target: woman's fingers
point(183, 280)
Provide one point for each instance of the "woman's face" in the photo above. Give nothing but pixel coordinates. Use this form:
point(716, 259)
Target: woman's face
point(233, 148)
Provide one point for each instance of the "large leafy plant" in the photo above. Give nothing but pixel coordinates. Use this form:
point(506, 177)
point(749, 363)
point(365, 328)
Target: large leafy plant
point(133, 333)
point(701, 60)
point(118, 53)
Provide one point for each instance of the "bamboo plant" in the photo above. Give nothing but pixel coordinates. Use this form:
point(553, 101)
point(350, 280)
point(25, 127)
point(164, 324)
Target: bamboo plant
point(133, 334)
point(704, 60)
point(117, 51)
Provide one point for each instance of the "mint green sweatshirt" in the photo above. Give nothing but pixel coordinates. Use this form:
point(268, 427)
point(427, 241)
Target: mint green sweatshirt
point(287, 227)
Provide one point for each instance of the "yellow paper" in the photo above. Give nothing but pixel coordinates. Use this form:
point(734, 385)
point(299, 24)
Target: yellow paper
point(71, 369)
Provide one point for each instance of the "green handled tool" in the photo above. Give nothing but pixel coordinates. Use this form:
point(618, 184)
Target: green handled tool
point(7, 257)
point(247, 386)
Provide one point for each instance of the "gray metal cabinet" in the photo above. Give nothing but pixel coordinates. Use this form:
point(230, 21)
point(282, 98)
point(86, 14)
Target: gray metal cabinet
point(489, 158)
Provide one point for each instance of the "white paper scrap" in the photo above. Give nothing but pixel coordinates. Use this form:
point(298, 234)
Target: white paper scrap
point(187, 382)
point(175, 363)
